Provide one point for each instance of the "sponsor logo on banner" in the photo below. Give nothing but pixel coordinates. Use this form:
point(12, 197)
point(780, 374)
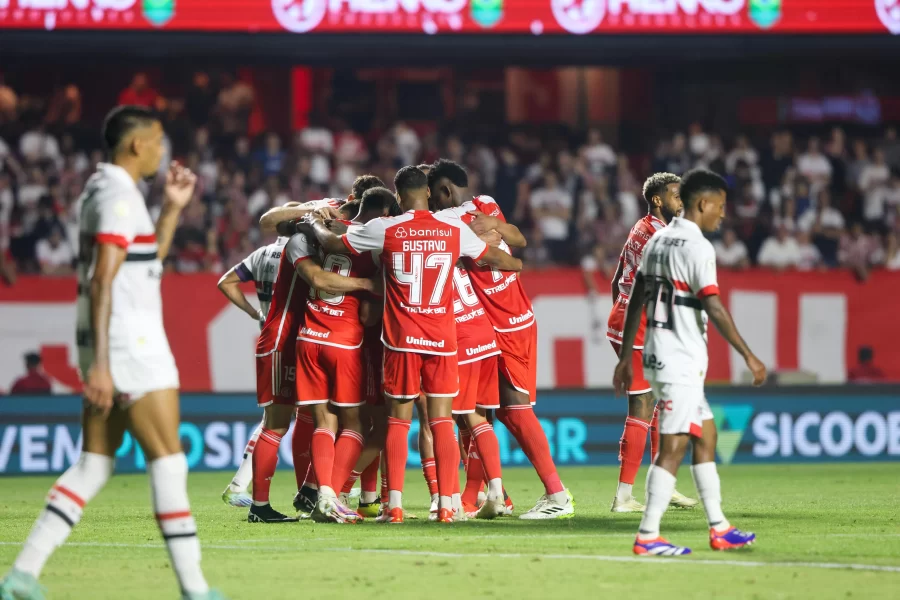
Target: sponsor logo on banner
point(731, 423)
point(301, 16)
point(889, 14)
point(159, 12)
point(584, 16)
point(487, 13)
point(765, 13)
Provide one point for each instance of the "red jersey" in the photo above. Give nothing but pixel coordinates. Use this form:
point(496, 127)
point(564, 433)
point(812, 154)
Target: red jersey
point(474, 333)
point(502, 294)
point(417, 251)
point(288, 299)
point(333, 319)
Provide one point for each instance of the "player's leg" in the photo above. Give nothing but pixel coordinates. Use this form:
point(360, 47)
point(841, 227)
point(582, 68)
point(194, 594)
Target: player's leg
point(426, 455)
point(153, 421)
point(440, 383)
point(307, 489)
point(370, 460)
point(236, 492)
point(348, 447)
point(722, 535)
point(631, 448)
point(276, 422)
point(66, 501)
point(401, 387)
point(485, 440)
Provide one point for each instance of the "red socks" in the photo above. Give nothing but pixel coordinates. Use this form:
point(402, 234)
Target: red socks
point(396, 451)
point(488, 449)
point(446, 452)
point(525, 427)
point(346, 452)
point(368, 481)
point(303, 430)
point(265, 459)
point(631, 448)
point(429, 471)
point(654, 434)
point(474, 476)
point(323, 456)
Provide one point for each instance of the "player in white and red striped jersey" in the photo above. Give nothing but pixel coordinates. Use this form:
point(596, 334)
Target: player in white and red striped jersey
point(661, 191)
point(276, 364)
point(510, 312)
point(417, 251)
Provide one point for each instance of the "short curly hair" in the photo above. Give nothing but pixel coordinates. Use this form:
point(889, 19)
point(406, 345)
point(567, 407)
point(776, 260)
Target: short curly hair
point(656, 184)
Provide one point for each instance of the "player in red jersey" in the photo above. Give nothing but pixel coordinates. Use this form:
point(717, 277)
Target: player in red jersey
point(510, 312)
point(417, 251)
point(276, 364)
point(663, 203)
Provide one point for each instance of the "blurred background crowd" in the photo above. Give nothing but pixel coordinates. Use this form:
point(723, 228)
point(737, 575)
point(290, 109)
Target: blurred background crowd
point(798, 200)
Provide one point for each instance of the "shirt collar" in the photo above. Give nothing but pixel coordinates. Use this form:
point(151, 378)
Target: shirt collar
point(682, 222)
point(116, 172)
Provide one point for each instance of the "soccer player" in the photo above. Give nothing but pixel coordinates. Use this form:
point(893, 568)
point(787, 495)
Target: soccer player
point(129, 373)
point(677, 281)
point(260, 267)
point(276, 364)
point(417, 251)
point(661, 191)
point(510, 312)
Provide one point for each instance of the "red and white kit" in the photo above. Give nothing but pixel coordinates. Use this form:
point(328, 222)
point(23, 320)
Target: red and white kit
point(477, 349)
point(630, 259)
point(329, 344)
point(276, 363)
point(140, 360)
point(418, 251)
point(507, 307)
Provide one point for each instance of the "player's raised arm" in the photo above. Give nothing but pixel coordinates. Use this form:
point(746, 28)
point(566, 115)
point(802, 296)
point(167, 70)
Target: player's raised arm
point(230, 286)
point(178, 192)
point(473, 247)
point(482, 223)
point(98, 384)
point(300, 252)
point(331, 243)
point(291, 211)
point(623, 373)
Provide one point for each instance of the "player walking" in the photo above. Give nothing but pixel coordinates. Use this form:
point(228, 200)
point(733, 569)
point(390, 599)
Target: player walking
point(677, 281)
point(417, 251)
point(509, 310)
point(130, 377)
point(661, 191)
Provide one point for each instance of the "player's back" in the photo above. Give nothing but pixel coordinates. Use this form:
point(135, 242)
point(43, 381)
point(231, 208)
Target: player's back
point(679, 268)
point(501, 293)
point(289, 295)
point(630, 258)
point(474, 332)
point(262, 266)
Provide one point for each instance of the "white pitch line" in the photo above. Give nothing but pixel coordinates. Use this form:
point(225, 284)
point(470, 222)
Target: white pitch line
point(590, 557)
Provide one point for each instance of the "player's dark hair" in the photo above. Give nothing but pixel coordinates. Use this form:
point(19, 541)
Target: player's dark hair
point(656, 185)
point(697, 181)
point(377, 199)
point(349, 209)
point(363, 183)
point(454, 172)
point(424, 167)
point(121, 121)
point(409, 178)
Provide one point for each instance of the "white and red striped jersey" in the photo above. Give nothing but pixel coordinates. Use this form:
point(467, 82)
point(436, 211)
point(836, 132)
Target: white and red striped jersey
point(113, 212)
point(474, 333)
point(333, 319)
point(502, 293)
point(630, 258)
point(261, 267)
point(417, 251)
point(288, 299)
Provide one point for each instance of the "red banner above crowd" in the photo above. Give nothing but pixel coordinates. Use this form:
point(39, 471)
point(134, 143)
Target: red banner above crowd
point(461, 16)
point(812, 323)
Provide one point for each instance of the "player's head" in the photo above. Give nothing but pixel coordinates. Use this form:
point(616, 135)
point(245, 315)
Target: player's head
point(448, 182)
point(133, 135)
point(377, 202)
point(349, 209)
point(661, 191)
point(703, 194)
point(412, 188)
point(424, 167)
point(32, 361)
point(363, 183)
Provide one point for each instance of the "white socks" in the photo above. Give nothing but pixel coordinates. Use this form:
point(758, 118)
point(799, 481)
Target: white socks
point(706, 478)
point(495, 488)
point(624, 491)
point(660, 485)
point(395, 499)
point(244, 475)
point(168, 484)
point(65, 502)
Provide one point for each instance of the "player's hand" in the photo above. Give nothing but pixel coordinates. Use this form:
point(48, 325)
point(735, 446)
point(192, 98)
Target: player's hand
point(758, 369)
point(261, 317)
point(337, 227)
point(98, 390)
point(622, 377)
point(180, 183)
point(482, 223)
point(328, 213)
point(492, 238)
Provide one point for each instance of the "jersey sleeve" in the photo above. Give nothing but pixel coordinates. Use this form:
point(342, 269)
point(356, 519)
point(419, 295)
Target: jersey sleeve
point(703, 278)
point(298, 248)
point(249, 268)
point(488, 206)
point(116, 219)
point(365, 238)
point(470, 244)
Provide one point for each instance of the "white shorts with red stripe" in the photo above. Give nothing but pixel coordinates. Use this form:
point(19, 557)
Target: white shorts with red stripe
point(682, 408)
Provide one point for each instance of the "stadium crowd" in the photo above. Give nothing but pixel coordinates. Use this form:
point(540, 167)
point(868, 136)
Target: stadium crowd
point(813, 203)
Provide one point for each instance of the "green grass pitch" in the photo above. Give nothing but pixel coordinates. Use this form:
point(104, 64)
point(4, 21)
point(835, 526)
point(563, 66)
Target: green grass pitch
point(811, 520)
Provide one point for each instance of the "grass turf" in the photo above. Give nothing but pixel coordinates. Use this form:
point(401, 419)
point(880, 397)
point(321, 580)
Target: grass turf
point(807, 517)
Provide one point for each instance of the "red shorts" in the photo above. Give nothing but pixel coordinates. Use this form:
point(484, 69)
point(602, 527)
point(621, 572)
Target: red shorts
point(373, 381)
point(478, 386)
point(276, 378)
point(639, 385)
point(408, 373)
point(518, 361)
point(616, 324)
point(329, 374)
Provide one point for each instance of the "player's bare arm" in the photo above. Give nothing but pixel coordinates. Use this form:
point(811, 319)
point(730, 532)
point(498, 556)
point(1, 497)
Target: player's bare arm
point(483, 223)
point(315, 227)
point(178, 191)
point(720, 316)
point(615, 281)
point(623, 373)
point(98, 384)
point(331, 282)
point(291, 211)
point(501, 261)
point(230, 286)
point(492, 238)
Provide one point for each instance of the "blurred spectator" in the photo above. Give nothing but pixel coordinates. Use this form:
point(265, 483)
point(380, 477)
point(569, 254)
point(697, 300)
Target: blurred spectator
point(509, 174)
point(38, 145)
point(349, 146)
point(233, 106)
point(271, 157)
point(891, 146)
point(8, 103)
point(778, 159)
point(779, 251)
point(731, 252)
point(199, 99)
point(551, 209)
point(139, 93)
point(54, 254)
point(856, 164)
point(826, 225)
point(698, 141)
point(865, 370)
point(241, 158)
point(407, 143)
point(808, 256)
point(65, 107)
point(814, 166)
point(742, 152)
point(35, 381)
point(598, 155)
point(859, 251)
point(268, 196)
point(873, 182)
